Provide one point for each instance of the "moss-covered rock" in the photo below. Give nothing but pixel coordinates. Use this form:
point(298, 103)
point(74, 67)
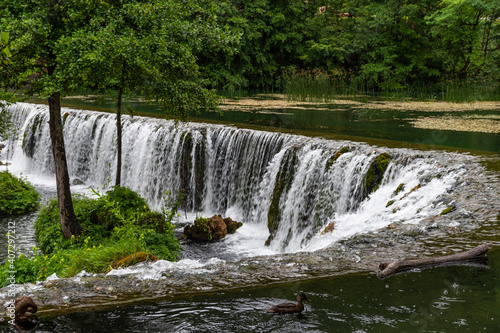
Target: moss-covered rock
point(133, 259)
point(329, 228)
point(282, 184)
point(447, 210)
point(206, 229)
point(375, 174)
point(231, 225)
point(400, 188)
point(335, 157)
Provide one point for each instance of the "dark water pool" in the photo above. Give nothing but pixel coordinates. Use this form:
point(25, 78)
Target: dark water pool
point(444, 299)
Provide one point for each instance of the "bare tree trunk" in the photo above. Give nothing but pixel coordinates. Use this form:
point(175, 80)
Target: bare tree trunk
point(119, 137)
point(69, 224)
point(390, 268)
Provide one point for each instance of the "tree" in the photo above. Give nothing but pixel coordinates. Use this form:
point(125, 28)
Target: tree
point(6, 125)
point(37, 27)
point(464, 32)
point(271, 39)
point(146, 47)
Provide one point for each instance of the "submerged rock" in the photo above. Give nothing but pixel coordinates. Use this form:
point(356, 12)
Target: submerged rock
point(211, 229)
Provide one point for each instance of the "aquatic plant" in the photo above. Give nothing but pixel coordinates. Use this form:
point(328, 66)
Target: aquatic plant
point(17, 195)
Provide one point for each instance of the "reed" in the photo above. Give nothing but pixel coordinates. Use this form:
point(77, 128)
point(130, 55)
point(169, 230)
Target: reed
point(320, 86)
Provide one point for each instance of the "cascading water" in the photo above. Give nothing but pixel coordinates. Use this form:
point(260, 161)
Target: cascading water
point(284, 188)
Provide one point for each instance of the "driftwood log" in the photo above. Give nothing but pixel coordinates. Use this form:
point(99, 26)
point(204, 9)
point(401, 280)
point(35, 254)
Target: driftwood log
point(389, 268)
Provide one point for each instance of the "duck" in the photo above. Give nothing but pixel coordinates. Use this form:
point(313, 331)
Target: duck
point(290, 307)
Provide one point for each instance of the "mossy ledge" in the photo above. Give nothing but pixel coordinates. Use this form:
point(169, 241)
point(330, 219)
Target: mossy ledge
point(283, 182)
point(375, 174)
point(335, 157)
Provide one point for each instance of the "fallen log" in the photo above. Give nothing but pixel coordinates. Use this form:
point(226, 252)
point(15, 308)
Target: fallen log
point(389, 268)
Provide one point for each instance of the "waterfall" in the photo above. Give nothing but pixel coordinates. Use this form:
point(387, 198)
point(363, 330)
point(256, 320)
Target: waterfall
point(293, 186)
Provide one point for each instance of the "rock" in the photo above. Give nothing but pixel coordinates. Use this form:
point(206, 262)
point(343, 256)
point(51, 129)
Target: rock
point(329, 228)
point(2, 146)
point(24, 304)
point(231, 225)
point(77, 181)
point(206, 229)
point(133, 259)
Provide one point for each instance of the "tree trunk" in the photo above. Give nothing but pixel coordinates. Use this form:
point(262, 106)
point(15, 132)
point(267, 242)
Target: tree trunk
point(390, 268)
point(69, 224)
point(119, 136)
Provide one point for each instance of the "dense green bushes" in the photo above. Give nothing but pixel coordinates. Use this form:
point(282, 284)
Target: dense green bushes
point(17, 195)
point(115, 225)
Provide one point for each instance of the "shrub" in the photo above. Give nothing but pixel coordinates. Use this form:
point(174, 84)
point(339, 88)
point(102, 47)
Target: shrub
point(135, 228)
point(17, 195)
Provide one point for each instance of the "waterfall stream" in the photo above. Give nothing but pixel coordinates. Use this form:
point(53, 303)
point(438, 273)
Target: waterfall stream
point(285, 188)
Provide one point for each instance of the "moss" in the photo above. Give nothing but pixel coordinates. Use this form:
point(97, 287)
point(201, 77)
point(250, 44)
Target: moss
point(330, 162)
point(32, 135)
point(375, 173)
point(389, 203)
point(283, 182)
point(199, 173)
point(447, 210)
point(400, 188)
point(186, 166)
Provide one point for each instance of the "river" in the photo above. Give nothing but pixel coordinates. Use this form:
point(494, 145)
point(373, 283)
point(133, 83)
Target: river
point(248, 173)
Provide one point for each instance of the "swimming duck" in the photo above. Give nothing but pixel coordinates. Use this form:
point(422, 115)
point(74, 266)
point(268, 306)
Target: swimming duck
point(290, 307)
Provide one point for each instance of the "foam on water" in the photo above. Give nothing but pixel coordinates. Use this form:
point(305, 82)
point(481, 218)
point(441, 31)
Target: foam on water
point(161, 268)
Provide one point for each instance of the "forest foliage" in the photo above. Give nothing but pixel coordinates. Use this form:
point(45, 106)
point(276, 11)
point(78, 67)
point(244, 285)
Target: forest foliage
point(262, 44)
point(372, 45)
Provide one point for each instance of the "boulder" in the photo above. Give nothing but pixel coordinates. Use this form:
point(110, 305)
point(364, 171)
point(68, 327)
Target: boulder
point(210, 229)
point(77, 181)
point(231, 225)
point(206, 229)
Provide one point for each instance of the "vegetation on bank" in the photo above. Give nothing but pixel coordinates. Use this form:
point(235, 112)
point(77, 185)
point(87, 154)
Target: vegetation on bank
point(115, 225)
point(17, 195)
point(415, 49)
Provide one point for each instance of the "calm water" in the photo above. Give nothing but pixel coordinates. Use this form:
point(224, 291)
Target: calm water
point(445, 299)
point(337, 121)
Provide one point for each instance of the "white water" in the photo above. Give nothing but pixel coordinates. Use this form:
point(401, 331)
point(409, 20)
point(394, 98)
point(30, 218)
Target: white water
point(233, 172)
